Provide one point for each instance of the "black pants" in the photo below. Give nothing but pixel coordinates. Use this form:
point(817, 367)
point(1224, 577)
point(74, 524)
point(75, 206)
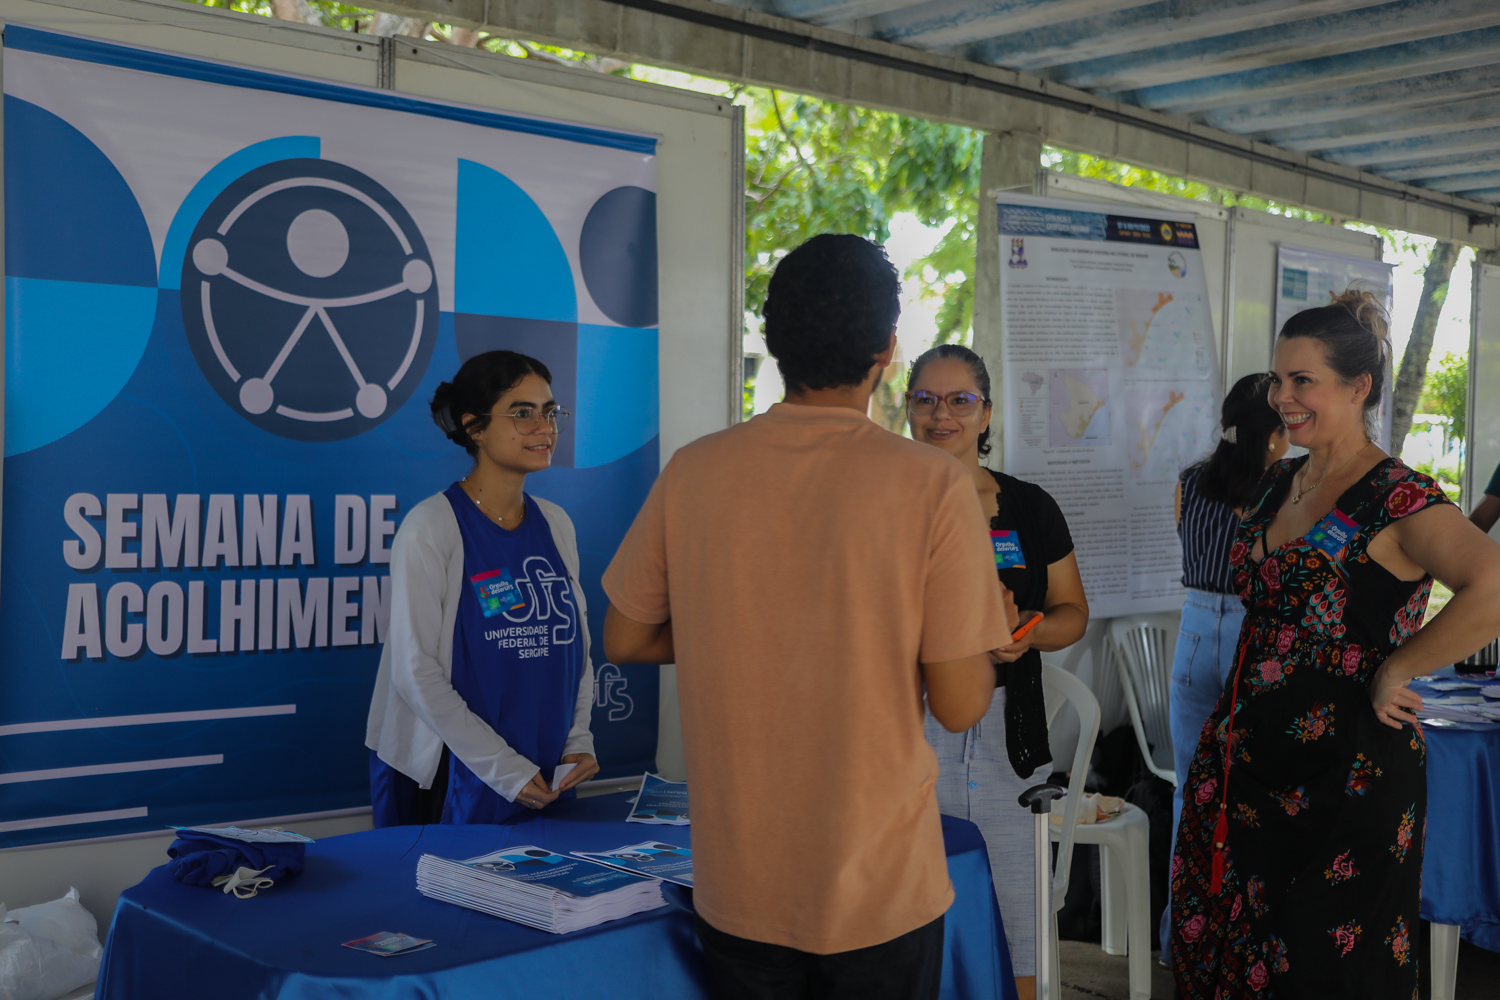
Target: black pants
point(909, 967)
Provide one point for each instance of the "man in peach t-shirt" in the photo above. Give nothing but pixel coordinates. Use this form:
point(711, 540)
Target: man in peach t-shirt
point(810, 573)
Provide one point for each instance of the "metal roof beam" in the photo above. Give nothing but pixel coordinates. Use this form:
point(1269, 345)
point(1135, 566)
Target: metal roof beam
point(747, 46)
point(1137, 28)
point(948, 22)
point(1443, 54)
point(1466, 182)
point(828, 11)
point(1484, 194)
point(1457, 116)
point(1374, 155)
point(1281, 44)
point(1447, 165)
point(1339, 103)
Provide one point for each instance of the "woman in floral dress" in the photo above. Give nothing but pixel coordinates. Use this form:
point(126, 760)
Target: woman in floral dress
point(1297, 869)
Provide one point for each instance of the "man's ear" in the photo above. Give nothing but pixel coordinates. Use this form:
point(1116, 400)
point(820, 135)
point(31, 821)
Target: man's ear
point(883, 359)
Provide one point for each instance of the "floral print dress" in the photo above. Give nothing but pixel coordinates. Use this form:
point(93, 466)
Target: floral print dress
point(1324, 806)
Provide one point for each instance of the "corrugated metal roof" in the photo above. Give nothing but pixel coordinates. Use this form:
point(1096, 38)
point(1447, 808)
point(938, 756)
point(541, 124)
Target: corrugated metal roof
point(1408, 90)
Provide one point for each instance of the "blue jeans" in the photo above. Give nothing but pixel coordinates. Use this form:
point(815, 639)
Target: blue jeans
point(1205, 654)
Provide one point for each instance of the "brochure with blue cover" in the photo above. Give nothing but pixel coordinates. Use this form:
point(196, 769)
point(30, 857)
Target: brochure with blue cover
point(652, 859)
point(660, 801)
point(537, 866)
point(539, 888)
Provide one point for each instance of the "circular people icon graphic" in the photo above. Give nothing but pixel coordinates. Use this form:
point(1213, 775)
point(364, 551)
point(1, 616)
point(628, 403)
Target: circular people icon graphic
point(309, 299)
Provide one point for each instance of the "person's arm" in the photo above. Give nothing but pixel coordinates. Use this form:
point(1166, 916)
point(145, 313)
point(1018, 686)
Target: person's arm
point(1177, 504)
point(579, 749)
point(965, 611)
point(959, 691)
point(1486, 513)
point(629, 641)
point(638, 620)
point(419, 588)
point(1444, 544)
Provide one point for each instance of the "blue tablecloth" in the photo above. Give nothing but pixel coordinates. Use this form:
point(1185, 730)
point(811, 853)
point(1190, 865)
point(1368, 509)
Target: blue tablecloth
point(1461, 862)
point(171, 940)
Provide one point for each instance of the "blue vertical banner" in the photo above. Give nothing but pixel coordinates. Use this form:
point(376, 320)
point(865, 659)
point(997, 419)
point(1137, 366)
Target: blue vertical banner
point(230, 295)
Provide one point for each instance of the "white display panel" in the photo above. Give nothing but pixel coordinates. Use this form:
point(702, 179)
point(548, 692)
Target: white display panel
point(1484, 381)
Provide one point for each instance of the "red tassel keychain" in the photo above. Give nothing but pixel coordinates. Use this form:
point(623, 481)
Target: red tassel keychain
point(1221, 826)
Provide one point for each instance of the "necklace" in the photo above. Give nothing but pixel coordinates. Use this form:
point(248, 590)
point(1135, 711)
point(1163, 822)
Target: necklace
point(484, 507)
point(1297, 497)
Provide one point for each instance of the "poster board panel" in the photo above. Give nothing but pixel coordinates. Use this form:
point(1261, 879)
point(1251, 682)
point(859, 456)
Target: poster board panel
point(323, 735)
point(1111, 381)
point(1484, 382)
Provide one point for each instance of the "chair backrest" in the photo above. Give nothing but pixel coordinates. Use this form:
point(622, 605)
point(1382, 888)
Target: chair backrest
point(1060, 687)
point(1144, 646)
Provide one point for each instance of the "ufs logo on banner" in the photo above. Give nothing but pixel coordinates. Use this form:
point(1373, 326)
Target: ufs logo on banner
point(309, 300)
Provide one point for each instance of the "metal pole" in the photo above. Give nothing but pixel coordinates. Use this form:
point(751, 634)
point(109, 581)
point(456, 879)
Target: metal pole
point(1046, 989)
point(1039, 798)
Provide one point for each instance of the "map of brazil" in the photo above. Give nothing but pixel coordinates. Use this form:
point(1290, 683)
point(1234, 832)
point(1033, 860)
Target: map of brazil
point(1163, 332)
point(1079, 404)
point(1168, 428)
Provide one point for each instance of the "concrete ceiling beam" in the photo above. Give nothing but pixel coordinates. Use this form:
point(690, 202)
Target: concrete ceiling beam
point(747, 46)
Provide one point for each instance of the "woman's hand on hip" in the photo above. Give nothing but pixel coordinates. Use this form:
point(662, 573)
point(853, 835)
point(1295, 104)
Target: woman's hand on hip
point(1394, 702)
point(586, 769)
point(535, 794)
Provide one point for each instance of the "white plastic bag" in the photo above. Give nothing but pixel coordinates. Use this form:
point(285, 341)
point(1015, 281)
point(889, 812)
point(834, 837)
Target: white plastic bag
point(48, 950)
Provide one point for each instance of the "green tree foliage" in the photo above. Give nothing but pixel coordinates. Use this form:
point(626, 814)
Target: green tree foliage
point(813, 167)
point(1446, 393)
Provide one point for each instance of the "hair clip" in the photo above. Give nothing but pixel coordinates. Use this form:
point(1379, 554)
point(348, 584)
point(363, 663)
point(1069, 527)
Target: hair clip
point(1230, 435)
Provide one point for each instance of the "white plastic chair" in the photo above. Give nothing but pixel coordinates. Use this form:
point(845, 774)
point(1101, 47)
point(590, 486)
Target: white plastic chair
point(1444, 944)
point(1143, 647)
point(1123, 841)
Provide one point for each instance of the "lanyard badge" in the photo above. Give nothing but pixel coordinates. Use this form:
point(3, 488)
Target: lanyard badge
point(1333, 533)
point(497, 592)
point(1007, 550)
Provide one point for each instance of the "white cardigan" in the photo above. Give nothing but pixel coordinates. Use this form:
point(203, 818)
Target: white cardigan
point(415, 709)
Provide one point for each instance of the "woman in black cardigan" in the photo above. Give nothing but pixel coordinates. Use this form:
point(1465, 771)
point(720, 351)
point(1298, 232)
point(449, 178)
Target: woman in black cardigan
point(982, 771)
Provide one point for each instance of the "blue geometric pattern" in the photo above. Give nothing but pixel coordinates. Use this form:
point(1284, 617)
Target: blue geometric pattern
point(80, 278)
point(514, 289)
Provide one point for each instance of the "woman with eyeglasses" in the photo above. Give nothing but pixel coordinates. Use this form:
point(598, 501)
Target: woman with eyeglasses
point(485, 686)
point(983, 770)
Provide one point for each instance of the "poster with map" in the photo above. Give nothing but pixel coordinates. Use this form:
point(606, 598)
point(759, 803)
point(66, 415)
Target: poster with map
point(1110, 382)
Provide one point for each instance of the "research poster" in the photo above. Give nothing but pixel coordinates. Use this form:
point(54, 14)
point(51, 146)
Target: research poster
point(230, 295)
point(1305, 280)
point(1110, 382)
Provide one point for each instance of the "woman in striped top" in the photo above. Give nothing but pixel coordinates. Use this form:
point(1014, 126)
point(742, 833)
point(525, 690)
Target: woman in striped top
point(1210, 501)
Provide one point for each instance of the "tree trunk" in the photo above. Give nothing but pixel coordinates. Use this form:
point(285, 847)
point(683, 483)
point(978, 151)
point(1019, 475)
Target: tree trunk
point(388, 25)
point(1408, 389)
point(295, 10)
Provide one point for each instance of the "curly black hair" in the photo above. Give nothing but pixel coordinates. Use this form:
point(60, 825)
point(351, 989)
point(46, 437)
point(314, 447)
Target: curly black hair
point(477, 387)
point(829, 311)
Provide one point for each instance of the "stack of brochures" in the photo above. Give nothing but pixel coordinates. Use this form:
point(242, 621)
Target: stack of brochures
point(538, 888)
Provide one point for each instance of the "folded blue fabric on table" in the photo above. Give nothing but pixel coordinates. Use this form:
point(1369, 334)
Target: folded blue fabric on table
point(198, 858)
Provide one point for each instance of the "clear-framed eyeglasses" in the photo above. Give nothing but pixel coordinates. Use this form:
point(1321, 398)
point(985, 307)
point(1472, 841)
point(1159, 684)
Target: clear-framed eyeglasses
point(529, 420)
point(960, 404)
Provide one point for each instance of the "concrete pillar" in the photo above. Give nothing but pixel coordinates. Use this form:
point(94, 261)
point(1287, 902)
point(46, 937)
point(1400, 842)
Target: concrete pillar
point(1008, 162)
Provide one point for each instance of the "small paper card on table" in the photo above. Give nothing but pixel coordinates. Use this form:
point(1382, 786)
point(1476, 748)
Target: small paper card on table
point(660, 801)
point(387, 944)
point(652, 859)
